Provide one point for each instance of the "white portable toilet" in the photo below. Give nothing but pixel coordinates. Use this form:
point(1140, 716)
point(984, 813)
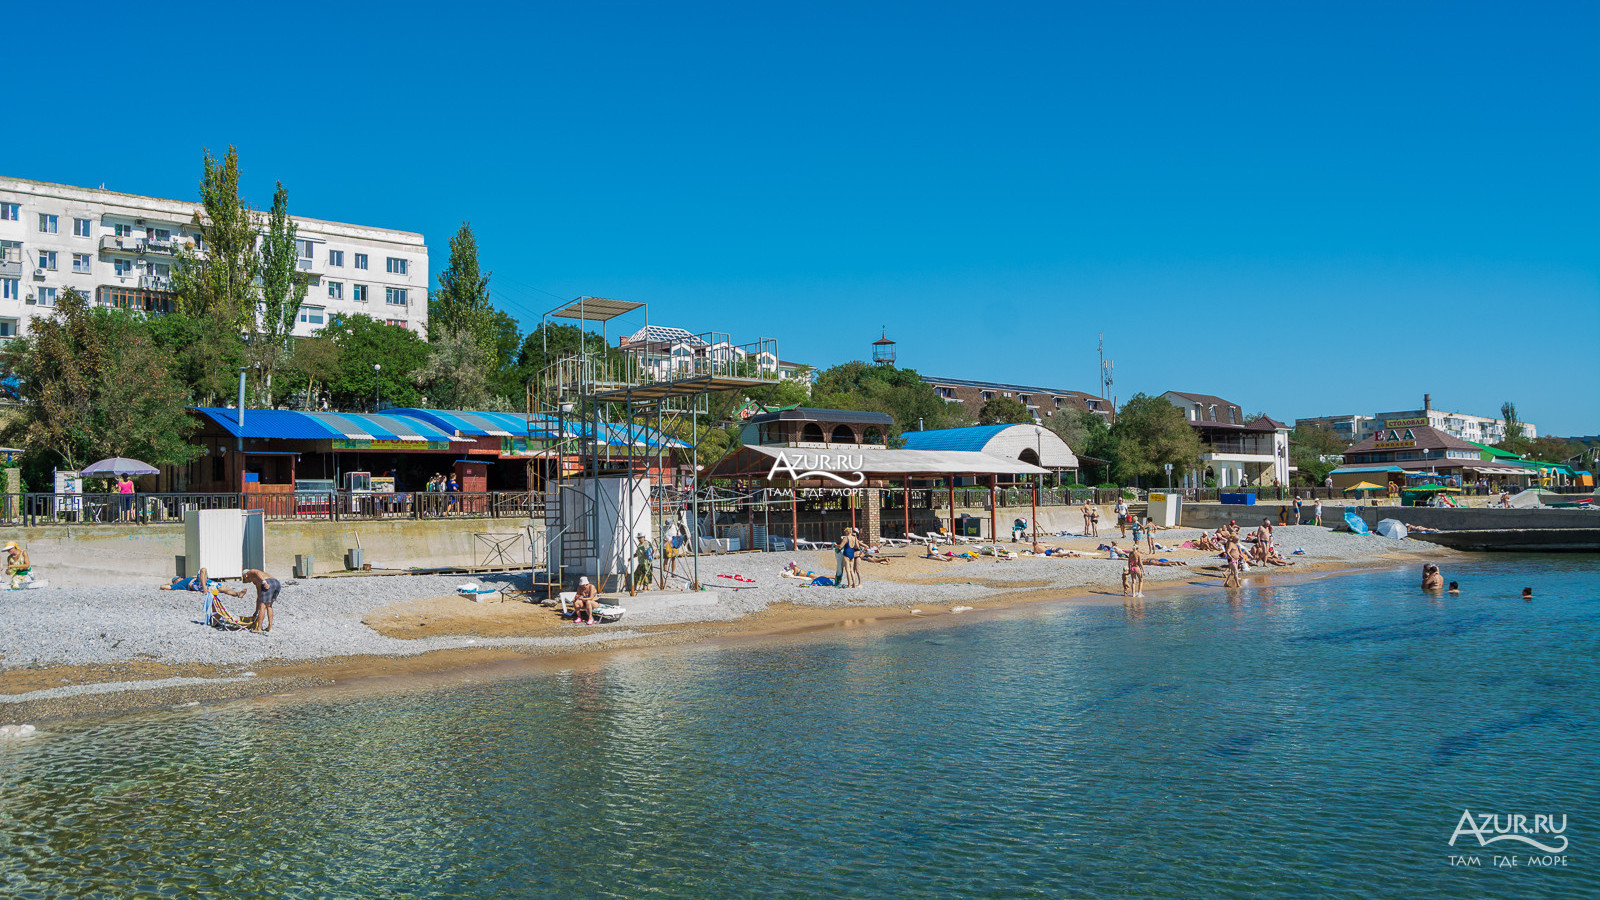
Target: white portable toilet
point(224, 542)
point(1166, 509)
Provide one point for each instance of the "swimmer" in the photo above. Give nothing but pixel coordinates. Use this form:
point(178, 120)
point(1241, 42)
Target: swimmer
point(1454, 588)
point(1527, 593)
point(1431, 579)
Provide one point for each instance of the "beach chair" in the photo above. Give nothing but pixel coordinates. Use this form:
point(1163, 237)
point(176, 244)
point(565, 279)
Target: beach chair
point(895, 542)
point(603, 612)
point(217, 616)
point(803, 544)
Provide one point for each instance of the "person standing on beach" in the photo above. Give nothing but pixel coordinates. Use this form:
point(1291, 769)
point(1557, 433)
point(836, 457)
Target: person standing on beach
point(1094, 520)
point(1316, 513)
point(1136, 570)
point(1150, 534)
point(1122, 516)
point(839, 560)
point(267, 589)
point(1235, 557)
point(1085, 512)
point(853, 552)
point(642, 554)
point(1297, 509)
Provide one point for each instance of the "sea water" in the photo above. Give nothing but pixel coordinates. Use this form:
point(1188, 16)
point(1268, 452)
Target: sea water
point(1319, 737)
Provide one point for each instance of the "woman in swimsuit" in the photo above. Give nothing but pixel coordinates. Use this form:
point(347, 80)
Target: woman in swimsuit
point(1136, 570)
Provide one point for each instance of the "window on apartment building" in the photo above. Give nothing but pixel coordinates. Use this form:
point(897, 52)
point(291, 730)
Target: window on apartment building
point(46, 296)
point(394, 296)
point(358, 293)
point(47, 260)
point(397, 266)
point(303, 248)
point(47, 223)
point(335, 290)
point(10, 212)
point(10, 289)
point(123, 267)
point(80, 263)
point(11, 251)
point(986, 395)
point(1023, 398)
point(400, 323)
point(8, 328)
point(336, 258)
point(122, 230)
point(361, 260)
point(313, 315)
point(81, 228)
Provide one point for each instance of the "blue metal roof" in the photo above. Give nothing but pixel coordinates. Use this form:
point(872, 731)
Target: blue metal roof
point(974, 437)
point(289, 424)
point(483, 424)
point(270, 423)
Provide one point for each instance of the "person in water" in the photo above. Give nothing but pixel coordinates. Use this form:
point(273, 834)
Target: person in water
point(1454, 588)
point(1527, 593)
point(1431, 579)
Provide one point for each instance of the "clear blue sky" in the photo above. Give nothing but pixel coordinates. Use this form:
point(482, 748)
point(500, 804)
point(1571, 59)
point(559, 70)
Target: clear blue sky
point(1305, 208)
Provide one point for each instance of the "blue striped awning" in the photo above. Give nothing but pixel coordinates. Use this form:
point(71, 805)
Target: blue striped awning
point(288, 424)
point(470, 423)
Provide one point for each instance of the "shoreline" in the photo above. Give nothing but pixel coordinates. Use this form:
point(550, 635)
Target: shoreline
point(57, 694)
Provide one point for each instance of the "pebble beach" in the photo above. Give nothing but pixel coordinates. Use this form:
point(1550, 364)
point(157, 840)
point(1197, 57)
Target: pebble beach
point(90, 635)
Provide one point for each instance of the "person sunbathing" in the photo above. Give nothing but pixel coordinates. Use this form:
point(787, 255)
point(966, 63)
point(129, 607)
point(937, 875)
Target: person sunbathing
point(583, 602)
point(792, 570)
point(199, 583)
point(1165, 562)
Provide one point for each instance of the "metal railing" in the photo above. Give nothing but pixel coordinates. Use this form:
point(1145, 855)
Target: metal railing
point(149, 509)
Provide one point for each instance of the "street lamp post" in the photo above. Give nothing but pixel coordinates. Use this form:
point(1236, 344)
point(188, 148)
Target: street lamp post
point(377, 388)
point(1038, 450)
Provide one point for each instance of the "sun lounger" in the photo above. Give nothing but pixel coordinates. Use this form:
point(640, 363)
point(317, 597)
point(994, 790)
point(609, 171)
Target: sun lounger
point(896, 542)
point(803, 544)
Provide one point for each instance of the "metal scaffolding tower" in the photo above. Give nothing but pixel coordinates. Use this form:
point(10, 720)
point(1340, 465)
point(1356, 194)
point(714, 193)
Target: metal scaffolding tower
point(616, 410)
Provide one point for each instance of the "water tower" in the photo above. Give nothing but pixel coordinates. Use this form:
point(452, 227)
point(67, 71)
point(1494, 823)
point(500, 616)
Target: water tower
point(883, 349)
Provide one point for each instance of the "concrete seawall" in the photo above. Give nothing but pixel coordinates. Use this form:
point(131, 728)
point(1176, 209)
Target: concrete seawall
point(1215, 515)
point(146, 554)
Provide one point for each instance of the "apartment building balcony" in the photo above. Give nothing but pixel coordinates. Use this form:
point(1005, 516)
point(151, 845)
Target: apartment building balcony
point(303, 264)
point(155, 282)
point(11, 269)
point(142, 246)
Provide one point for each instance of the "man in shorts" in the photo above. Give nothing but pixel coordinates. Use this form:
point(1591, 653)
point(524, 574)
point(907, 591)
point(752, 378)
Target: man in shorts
point(267, 589)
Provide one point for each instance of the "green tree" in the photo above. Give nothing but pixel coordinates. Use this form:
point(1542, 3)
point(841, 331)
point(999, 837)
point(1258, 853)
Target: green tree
point(204, 353)
point(506, 379)
point(888, 389)
point(283, 289)
point(311, 359)
point(454, 376)
point(365, 342)
point(1004, 411)
point(1088, 436)
point(1150, 433)
point(219, 277)
point(1552, 449)
point(551, 342)
point(1514, 442)
point(1308, 444)
point(95, 385)
point(462, 301)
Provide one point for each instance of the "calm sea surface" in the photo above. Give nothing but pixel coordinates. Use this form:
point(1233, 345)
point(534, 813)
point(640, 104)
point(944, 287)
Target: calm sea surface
point(1315, 739)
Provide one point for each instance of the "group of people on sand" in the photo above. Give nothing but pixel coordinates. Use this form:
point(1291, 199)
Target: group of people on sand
point(267, 590)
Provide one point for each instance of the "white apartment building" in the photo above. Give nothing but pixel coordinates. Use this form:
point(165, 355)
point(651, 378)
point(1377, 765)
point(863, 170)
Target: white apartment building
point(1464, 426)
point(119, 250)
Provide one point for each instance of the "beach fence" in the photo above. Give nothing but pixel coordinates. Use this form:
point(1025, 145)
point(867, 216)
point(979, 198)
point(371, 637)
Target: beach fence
point(336, 506)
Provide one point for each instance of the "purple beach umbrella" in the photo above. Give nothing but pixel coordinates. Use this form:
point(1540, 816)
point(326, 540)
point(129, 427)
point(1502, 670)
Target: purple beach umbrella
point(117, 465)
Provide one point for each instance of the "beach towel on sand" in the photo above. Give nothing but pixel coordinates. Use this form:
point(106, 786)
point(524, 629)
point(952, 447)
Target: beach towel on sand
point(822, 581)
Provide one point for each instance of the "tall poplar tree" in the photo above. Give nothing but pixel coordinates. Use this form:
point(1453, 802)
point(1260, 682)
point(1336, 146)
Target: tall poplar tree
point(462, 301)
point(218, 278)
point(283, 289)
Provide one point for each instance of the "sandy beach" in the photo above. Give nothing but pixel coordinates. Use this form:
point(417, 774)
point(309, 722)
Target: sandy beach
point(76, 653)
